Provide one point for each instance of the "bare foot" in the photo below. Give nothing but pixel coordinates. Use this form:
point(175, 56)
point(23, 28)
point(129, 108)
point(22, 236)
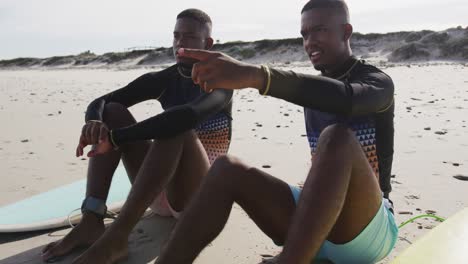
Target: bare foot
point(107, 250)
point(83, 235)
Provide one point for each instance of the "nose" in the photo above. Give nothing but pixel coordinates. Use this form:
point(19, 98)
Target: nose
point(310, 39)
point(177, 42)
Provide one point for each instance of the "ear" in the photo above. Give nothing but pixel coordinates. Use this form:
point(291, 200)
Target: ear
point(209, 43)
point(348, 31)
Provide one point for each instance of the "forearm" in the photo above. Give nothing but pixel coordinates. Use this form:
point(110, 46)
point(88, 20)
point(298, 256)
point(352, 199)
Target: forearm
point(372, 94)
point(175, 120)
point(324, 94)
point(256, 77)
point(162, 126)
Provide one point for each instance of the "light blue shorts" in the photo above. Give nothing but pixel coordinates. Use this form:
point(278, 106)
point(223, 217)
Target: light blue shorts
point(374, 243)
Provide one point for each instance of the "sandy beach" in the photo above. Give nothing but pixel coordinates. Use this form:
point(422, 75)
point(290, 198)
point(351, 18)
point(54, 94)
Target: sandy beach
point(42, 112)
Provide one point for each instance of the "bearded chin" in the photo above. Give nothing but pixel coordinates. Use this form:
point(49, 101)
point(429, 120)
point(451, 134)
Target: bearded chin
point(320, 67)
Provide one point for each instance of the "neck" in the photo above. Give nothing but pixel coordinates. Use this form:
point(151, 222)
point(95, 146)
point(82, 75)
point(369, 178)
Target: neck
point(339, 64)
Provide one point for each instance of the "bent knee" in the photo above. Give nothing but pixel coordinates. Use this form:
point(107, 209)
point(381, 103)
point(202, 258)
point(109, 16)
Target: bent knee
point(337, 136)
point(230, 167)
point(228, 162)
point(116, 115)
point(338, 130)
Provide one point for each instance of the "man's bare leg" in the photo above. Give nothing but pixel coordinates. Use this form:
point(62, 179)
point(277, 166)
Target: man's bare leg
point(341, 196)
point(100, 171)
point(259, 194)
point(179, 163)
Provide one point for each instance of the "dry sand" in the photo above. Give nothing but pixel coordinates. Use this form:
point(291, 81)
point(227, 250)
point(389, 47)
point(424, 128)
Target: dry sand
point(42, 113)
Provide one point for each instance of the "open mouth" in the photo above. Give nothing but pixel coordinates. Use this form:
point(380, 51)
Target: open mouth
point(315, 55)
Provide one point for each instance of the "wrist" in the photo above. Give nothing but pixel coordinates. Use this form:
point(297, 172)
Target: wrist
point(261, 78)
point(255, 78)
point(94, 120)
point(110, 135)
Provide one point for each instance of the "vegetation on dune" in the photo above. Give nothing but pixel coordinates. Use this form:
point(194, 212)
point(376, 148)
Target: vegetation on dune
point(450, 44)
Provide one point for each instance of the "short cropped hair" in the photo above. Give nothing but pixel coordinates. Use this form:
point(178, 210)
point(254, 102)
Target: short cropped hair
point(340, 6)
point(196, 14)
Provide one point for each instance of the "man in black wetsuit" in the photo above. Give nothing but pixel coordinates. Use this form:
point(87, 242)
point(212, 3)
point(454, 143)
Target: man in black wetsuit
point(165, 156)
point(341, 214)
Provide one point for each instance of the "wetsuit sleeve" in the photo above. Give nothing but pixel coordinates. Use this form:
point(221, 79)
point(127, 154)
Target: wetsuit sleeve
point(141, 89)
point(371, 93)
point(175, 120)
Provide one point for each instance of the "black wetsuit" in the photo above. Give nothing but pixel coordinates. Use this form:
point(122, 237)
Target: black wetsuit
point(359, 95)
point(186, 107)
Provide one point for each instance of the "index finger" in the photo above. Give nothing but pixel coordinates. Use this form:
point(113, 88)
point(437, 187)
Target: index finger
point(81, 145)
point(201, 55)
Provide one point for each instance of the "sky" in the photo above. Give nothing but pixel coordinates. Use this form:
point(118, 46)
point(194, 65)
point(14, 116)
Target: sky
point(43, 28)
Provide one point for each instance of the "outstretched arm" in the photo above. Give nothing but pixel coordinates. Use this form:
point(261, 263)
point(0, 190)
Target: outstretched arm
point(371, 94)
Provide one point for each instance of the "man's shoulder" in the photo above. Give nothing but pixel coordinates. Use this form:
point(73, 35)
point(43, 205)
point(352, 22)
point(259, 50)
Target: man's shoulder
point(155, 77)
point(167, 72)
point(365, 69)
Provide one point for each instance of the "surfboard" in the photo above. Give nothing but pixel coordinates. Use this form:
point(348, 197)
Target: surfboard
point(52, 209)
point(446, 243)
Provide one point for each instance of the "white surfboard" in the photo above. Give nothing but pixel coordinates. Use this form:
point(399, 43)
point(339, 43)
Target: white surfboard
point(447, 243)
point(52, 209)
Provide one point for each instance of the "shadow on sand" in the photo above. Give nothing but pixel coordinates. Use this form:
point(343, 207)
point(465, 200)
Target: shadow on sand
point(144, 243)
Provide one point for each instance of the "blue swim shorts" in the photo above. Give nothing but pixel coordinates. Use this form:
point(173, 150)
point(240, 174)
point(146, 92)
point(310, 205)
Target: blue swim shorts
point(373, 244)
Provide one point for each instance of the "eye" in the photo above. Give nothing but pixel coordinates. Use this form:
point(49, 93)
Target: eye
point(322, 29)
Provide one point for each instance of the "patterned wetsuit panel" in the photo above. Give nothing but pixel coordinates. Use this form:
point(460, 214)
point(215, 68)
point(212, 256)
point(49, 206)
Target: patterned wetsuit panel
point(358, 94)
point(363, 127)
point(215, 136)
point(215, 132)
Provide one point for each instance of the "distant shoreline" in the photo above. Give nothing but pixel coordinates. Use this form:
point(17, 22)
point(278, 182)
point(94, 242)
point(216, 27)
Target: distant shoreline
point(449, 45)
